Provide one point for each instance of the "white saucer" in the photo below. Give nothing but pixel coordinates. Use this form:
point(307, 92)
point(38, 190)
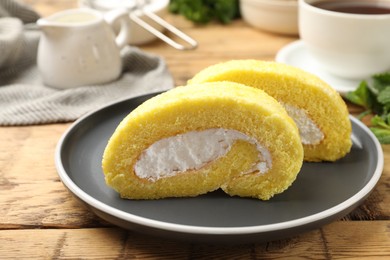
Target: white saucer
point(296, 54)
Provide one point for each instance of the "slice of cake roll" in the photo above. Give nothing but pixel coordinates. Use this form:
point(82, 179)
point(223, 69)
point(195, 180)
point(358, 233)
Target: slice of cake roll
point(318, 110)
point(196, 139)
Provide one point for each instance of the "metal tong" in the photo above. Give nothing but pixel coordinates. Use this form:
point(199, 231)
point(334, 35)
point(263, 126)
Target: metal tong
point(141, 10)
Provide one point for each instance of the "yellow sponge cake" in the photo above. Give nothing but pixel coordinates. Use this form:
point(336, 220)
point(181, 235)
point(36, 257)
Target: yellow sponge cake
point(318, 110)
point(195, 139)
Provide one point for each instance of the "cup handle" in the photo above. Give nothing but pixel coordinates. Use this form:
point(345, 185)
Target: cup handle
point(121, 15)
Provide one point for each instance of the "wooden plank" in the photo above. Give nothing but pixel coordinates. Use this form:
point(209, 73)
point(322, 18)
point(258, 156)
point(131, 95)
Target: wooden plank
point(38, 205)
point(309, 245)
point(31, 193)
point(101, 243)
point(27, 153)
point(109, 243)
point(343, 239)
point(358, 239)
point(58, 243)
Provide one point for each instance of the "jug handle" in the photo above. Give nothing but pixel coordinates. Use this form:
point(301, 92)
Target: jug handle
point(122, 15)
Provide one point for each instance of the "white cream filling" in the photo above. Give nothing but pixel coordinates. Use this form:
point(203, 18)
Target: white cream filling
point(191, 151)
point(308, 130)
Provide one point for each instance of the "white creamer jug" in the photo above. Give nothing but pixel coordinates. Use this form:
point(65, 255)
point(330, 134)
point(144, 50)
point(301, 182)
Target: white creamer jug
point(78, 47)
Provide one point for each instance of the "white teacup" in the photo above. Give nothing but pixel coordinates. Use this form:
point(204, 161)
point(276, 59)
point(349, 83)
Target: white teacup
point(347, 45)
point(78, 47)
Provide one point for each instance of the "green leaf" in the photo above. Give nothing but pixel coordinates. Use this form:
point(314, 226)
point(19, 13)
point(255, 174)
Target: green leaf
point(359, 96)
point(226, 11)
point(203, 11)
point(383, 78)
point(379, 82)
point(362, 96)
point(383, 135)
point(384, 96)
point(374, 95)
point(379, 121)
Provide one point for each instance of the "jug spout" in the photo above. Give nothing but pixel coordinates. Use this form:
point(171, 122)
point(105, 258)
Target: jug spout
point(48, 27)
point(68, 19)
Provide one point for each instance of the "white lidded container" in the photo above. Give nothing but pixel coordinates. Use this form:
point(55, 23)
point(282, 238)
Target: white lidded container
point(277, 16)
point(137, 35)
point(146, 21)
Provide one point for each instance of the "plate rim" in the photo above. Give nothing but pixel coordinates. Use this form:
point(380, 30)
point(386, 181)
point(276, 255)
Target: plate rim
point(204, 230)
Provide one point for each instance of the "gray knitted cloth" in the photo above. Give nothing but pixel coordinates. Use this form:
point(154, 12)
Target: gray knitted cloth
point(25, 100)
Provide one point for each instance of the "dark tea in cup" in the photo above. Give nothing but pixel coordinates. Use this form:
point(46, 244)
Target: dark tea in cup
point(355, 7)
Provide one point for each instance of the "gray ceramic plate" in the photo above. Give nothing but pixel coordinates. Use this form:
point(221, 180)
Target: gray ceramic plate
point(323, 192)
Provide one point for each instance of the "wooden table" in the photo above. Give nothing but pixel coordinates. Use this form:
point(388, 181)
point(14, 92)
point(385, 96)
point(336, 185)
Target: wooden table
point(40, 219)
